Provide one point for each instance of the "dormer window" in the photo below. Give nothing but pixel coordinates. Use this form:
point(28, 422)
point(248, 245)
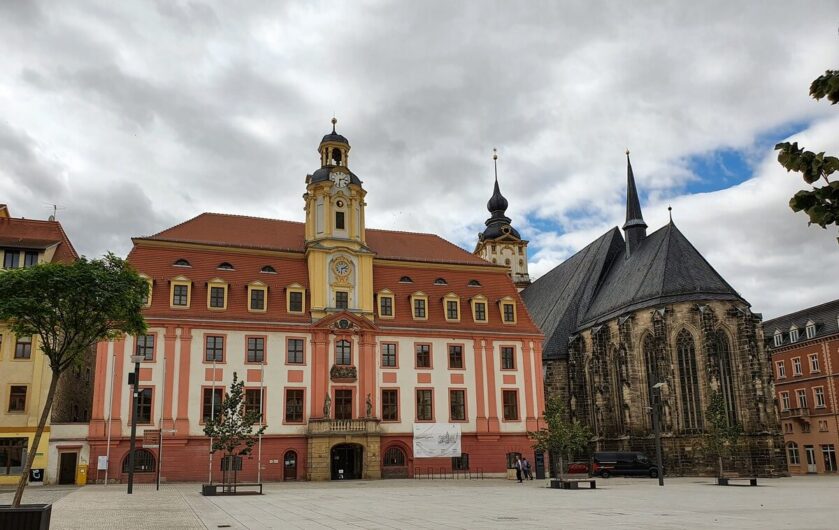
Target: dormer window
point(182, 263)
point(474, 283)
point(810, 329)
point(225, 267)
point(440, 281)
point(778, 337)
point(793, 334)
point(406, 279)
point(268, 270)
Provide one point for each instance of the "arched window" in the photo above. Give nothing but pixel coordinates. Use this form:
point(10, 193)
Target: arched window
point(182, 263)
point(474, 283)
point(688, 382)
point(143, 462)
point(394, 457)
point(225, 266)
point(650, 366)
point(269, 270)
point(727, 382)
point(343, 352)
point(406, 279)
point(440, 281)
point(792, 454)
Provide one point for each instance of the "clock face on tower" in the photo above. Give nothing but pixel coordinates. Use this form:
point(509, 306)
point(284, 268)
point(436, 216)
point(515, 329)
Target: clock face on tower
point(340, 179)
point(341, 267)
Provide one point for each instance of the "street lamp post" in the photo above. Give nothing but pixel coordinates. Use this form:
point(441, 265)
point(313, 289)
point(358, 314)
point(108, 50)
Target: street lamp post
point(136, 394)
point(657, 430)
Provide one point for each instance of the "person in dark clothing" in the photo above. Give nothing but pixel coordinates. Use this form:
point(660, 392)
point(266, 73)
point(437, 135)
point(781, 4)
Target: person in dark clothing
point(526, 468)
point(519, 468)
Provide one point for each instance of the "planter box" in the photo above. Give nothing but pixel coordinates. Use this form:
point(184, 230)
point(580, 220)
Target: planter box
point(26, 517)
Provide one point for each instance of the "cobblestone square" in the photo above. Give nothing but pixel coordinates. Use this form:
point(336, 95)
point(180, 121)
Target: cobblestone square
point(796, 502)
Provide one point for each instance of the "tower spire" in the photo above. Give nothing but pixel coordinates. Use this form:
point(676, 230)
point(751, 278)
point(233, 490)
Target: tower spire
point(635, 228)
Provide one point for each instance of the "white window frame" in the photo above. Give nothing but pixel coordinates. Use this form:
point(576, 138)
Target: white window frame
point(779, 338)
point(801, 398)
point(793, 334)
point(782, 369)
point(818, 397)
point(814, 363)
point(810, 329)
point(796, 366)
point(785, 402)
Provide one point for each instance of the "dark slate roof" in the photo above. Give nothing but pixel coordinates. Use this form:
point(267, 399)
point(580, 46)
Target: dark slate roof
point(498, 225)
point(557, 301)
point(335, 137)
point(665, 268)
point(824, 316)
point(323, 174)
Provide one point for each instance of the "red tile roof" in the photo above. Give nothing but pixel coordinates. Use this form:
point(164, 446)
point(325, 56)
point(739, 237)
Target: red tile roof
point(274, 234)
point(35, 234)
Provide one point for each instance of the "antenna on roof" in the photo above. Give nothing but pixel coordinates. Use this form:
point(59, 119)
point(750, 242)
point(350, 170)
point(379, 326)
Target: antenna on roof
point(55, 209)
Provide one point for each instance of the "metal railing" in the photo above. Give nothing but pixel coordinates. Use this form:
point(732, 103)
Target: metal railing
point(442, 473)
point(799, 412)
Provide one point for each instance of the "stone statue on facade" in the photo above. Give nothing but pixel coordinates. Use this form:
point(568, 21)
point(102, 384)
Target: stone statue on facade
point(327, 404)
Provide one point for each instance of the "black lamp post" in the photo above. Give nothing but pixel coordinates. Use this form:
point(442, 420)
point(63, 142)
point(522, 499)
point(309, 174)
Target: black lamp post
point(136, 394)
point(657, 430)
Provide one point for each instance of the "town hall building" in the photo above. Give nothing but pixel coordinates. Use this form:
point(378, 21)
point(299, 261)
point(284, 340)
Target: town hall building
point(347, 338)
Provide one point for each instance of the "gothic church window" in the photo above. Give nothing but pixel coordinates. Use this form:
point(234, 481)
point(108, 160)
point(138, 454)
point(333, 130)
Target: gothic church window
point(727, 382)
point(650, 366)
point(688, 382)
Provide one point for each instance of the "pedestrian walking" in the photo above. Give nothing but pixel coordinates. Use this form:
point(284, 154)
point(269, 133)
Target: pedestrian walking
point(526, 466)
point(519, 468)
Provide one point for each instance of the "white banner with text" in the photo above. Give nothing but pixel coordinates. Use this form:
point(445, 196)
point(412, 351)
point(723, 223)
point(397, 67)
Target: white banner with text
point(433, 440)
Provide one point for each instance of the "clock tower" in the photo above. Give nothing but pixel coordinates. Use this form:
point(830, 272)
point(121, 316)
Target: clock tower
point(340, 264)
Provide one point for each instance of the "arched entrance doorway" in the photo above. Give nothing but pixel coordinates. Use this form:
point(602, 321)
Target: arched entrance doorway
point(394, 463)
point(347, 461)
point(290, 466)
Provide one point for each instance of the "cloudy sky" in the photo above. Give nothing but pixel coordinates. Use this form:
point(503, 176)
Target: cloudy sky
point(134, 116)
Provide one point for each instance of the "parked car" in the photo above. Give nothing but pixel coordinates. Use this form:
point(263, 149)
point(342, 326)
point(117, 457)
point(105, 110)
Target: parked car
point(578, 467)
point(609, 463)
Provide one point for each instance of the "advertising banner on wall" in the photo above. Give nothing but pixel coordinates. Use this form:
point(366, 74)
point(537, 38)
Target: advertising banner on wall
point(433, 440)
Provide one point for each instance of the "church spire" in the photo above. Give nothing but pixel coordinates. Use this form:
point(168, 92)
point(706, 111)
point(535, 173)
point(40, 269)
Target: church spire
point(635, 228)
point(497, 204)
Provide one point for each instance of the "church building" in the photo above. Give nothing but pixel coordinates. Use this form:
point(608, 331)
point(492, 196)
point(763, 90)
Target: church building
point(348, 338)
point(632, 319)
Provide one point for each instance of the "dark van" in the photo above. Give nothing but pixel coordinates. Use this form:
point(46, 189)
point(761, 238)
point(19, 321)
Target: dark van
point(609, 463)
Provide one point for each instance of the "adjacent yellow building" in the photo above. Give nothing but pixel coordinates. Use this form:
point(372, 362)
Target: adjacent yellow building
point(24, 371)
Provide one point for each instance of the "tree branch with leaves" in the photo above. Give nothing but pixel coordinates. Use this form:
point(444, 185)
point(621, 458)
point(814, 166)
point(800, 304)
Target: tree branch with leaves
point(559, 435)
point(70, 308)
point(821, 203)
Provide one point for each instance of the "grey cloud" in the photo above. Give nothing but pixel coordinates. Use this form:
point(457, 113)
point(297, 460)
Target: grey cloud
point(23, 164)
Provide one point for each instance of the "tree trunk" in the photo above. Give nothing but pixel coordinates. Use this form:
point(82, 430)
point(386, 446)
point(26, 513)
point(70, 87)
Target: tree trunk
point(24, 475)
point(719, 463)
point(561, 466)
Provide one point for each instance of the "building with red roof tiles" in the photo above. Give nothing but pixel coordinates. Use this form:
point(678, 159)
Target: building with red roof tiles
point(350, 341)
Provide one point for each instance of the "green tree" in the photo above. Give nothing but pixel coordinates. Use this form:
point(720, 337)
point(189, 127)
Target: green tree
point(70, 307)
point(232, 427)
point(721, 434)
point(821, 203)
point(559, 435)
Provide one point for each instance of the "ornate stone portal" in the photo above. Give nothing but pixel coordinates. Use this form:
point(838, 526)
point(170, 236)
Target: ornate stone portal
point(325, 434)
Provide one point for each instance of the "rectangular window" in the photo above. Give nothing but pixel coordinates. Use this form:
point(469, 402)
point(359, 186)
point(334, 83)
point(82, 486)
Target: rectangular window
point(294, 406)
point(390, 405)
point(457, 404)
point(782, 370)
point(792, 452)
point(217, 297)
point(508, 358)
point(145, 347)
point(425, 407)
point(342, 299)
point(818, 394)
point(295, 302)
point(796, 366)
point(785, 401)
point(256, 349)
point(802, 398)
point(386, 306)
point(211, 404)
point(814, 363)
point(455, 356)
point(295, 353)
point(343, 353)
point(480, 311)
point(452, 312)
point(823, 426)
point(179, 295)
point(30, 259)
point(339, 220)
point(388, 355)
point(214, 349)
point(343, 404)
point(144, 401)
point(12, 455)
point(253, 400)
point(257, 299)
point(423, 355)
point(511, 405)
point(419, 308)
point(829, 454)
point(23, 348)
point(17, 398)
point(460, 463)
point(509, 313)
point(11, 260)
